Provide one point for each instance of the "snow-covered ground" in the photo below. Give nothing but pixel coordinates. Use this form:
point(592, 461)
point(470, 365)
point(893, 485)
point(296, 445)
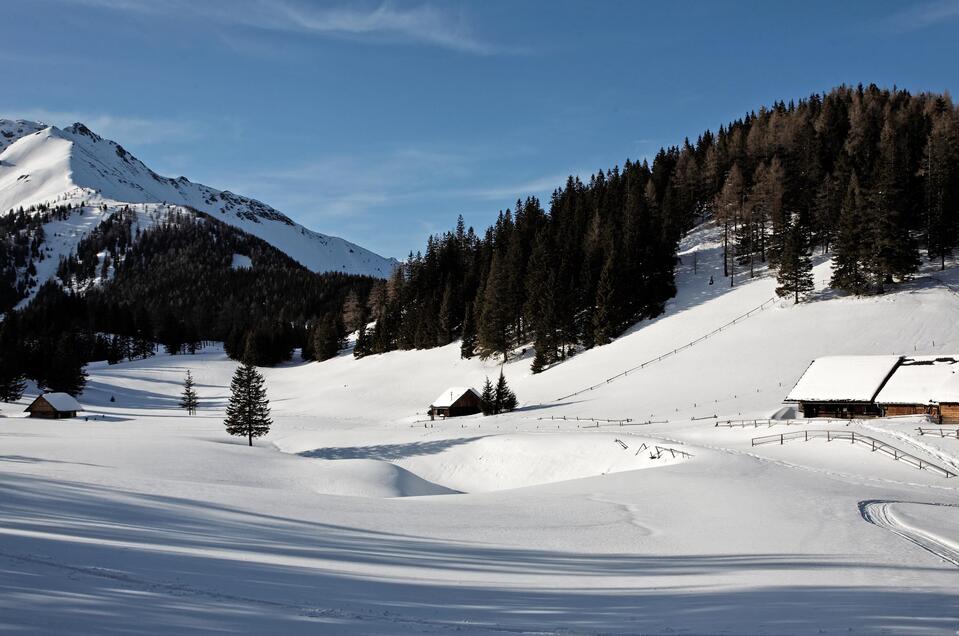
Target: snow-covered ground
point(47, 165)
point(356, 514)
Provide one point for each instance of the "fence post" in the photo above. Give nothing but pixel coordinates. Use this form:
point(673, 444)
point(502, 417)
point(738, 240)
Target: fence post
point(782, 439)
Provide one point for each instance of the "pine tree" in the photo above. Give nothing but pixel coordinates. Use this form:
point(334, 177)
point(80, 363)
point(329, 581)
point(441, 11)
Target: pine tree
point(488, 398)
point(505, 399)
point(188, 399)
point(895, 255)
point(940, 172)
point(353, 313)
point(605, 323)
point(12, 379)
point(494, 320)
point(65, 370)
point(795, 266)
point(468, 346)
point(248, 411)
point(327, 338)
point(851, 250)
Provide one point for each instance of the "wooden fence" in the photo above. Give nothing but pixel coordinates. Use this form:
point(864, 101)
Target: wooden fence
point(856, 438)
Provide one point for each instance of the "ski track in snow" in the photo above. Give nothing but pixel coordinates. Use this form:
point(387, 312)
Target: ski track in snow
point(880, 513)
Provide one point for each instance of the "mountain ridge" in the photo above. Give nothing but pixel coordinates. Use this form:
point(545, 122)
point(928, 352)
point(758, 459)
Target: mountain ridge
point(44, 165)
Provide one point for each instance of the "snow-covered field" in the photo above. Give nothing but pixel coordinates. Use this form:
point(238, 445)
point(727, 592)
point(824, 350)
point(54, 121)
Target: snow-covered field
point(358, 515)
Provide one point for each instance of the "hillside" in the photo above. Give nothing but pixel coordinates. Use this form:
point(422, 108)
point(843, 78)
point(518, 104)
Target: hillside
point(357, 515)
point(48, 166)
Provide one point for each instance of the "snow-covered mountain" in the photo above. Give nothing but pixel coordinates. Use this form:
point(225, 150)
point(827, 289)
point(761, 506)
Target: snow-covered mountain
point(42, 164)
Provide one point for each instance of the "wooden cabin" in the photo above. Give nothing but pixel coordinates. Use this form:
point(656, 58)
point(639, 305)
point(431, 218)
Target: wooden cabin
point(456, 401)
point(847, 387)
point(914, 387)
point(54, 406)
point(947, 395)
point(843, 387)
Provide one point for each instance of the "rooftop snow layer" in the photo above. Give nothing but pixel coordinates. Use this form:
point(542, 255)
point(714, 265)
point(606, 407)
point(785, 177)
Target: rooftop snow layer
point(450, 395)
point(918, 380)
point(62, 401)
point(843, 379)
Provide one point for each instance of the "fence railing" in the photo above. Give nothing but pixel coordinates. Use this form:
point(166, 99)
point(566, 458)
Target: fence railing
point(674, 351)
point(939, 432)
point(856, 438)
point(598, 420)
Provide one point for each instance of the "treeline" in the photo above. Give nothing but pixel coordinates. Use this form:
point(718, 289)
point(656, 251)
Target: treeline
point(868, 175)
point(601, 258)
point(173, 284)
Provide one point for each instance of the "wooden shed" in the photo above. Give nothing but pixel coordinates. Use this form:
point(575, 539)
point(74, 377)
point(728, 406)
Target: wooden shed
point(843, 387)
point(456, 401)
point(54, 406)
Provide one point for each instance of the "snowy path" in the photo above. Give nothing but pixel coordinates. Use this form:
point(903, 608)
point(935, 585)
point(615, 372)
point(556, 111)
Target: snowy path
point(881, 513)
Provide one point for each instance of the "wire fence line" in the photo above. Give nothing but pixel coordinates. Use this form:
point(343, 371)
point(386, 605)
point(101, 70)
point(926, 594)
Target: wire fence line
point(668, 354)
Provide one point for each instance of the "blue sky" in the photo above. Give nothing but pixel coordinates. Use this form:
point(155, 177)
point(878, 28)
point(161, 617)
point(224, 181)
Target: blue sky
point(381, 121)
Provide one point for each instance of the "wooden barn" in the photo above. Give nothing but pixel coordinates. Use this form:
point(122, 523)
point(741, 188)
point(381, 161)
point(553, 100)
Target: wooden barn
point(456, 401)
point(54, 406)
point(948, 397)
point(915, 387)
point(880, 386)
point(843, 387)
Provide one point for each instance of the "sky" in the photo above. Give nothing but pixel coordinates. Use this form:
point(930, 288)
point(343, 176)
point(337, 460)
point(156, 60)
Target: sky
point(381, 121)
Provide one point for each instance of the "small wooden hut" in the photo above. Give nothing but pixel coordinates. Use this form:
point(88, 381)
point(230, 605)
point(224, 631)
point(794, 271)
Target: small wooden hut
point(54, 406)
point(456, 401)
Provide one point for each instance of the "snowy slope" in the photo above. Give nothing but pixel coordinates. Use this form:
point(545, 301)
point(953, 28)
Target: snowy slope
point(40, 164)
point(358, 515)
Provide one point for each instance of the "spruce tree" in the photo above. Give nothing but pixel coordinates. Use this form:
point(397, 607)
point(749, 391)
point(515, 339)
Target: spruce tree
point(327, 338)
point(468, 346)
point(248, 411)
point(65, 370)
point(12, 379)
point(362, 346)
point(488, 398)
point(188, 399)
point(795, 266)
point(605, 324)
point(505, 399)
point(851, 250)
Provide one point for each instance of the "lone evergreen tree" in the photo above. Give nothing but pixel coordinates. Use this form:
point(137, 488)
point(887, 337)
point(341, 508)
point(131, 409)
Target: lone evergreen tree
point(188, 399)
point(505, 398)
point(488, 398)
point(248, 412)
point(795, 265)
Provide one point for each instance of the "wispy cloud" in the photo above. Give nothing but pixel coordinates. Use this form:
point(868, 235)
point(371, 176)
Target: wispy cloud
point(384, 23)
point(122, 129)
point(925, 15)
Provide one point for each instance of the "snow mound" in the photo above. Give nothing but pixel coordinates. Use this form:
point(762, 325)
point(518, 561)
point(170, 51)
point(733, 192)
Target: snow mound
point(372, 478)
point(480, 464)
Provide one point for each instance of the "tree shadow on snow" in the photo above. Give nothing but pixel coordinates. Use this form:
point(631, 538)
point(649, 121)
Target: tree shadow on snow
point(387, 451)
point(152, 563)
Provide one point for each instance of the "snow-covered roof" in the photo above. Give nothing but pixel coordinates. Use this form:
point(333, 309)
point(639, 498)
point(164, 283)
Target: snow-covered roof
point(918, 380)
point(948, 391)
point(450, 395)
point(62, 401)
point(843, 379)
